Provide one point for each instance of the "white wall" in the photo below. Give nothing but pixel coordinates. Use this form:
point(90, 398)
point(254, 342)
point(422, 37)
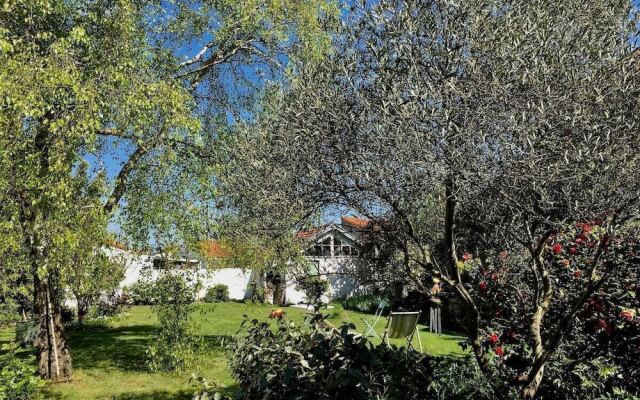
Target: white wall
point(140, 267)
point(335, 269)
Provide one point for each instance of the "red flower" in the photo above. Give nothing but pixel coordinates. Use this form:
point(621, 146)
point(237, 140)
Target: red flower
point(467, 257)
point(577, 274)
point(602, 324)
point(629, 315)
point(586, 228)
point(565, 263)
point(592, 244)
point(483, 286)
point(557, 248)
point(499, 351)
point(579, 240)
point(573, 250)
point(609, 330)
point(494, 277)
point(493, 338)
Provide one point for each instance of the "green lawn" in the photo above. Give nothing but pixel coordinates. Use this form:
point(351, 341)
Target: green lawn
point(109, 362)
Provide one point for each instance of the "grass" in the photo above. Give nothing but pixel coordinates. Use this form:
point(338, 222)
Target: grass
point(109, 360)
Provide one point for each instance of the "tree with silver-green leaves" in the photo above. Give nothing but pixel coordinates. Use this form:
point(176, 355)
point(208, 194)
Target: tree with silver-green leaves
point(467, 130)
point(94, 80)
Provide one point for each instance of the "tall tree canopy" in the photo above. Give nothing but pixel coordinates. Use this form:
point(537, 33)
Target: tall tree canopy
point(93, 80)
point(479, 126)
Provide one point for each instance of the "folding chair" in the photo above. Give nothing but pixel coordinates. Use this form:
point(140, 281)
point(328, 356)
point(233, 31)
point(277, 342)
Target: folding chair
point(370, 331)
point(402, 325)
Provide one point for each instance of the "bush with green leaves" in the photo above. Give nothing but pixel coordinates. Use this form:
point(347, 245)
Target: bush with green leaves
point(256, 292)
point(173, 347)
point(313, 287)
point(364, 303)
point(318, 361)
point(17, 379)
point(111, 305)
point(141, 293)
point(217, 294)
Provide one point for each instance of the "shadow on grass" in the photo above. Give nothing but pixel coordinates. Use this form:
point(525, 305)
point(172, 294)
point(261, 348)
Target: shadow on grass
point(156, 395)
point(164, 395)
point(122, 348)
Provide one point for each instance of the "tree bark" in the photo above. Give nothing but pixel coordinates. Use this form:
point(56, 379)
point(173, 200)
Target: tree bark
point(83, 307)
point(53, 356)
point(471, 310)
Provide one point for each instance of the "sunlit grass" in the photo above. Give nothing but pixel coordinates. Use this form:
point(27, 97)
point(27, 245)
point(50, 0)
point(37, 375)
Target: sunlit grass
point(109, 360)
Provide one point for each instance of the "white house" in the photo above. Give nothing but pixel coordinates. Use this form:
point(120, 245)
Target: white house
point(333, 251)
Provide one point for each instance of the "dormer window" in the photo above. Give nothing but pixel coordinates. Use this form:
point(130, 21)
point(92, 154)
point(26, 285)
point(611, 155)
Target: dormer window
point(331, 246)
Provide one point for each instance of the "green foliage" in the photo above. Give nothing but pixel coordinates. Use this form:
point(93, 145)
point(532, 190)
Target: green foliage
point(217, 294)
point(461, 378)
point(365, 303)
point(92, 271)
point(141, 292)
point(110, 305)
point(17, 379)
point(314, 287)
point(319, 362)
point(257, 292)
point(173, 348)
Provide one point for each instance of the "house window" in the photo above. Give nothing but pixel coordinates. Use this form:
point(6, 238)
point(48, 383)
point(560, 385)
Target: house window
point(325, 247)
point(313, 267)
point(337, 247)
point(349, 250)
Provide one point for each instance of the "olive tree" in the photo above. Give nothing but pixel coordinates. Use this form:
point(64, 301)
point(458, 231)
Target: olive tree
point(466, 128)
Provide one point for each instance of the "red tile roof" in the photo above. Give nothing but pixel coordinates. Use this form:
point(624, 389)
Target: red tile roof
point(117, 245)
point(355, 222)
point(309, 233)
point(213, 249)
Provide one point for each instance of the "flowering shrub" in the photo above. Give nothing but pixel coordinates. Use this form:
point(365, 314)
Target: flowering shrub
point(600, 352)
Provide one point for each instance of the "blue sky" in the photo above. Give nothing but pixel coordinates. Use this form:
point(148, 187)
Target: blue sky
point(113, 159)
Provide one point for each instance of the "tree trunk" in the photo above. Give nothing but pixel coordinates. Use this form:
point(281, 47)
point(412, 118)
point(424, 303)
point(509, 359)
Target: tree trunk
point(279, 289)
point(472, 314)
point(53, 357)
point(83, 308)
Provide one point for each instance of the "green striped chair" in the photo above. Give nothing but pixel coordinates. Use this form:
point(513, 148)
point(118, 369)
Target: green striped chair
point(402, 325)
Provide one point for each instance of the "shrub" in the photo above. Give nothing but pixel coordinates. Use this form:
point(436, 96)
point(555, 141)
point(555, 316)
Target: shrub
point(257, 292)
point(141, 293)
point(17, 379)
point(320, 362)
point(173, 346)
point(217, 294)
point(460, 378)
point(111, 305)
point(364, 303)
point(313, 287)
